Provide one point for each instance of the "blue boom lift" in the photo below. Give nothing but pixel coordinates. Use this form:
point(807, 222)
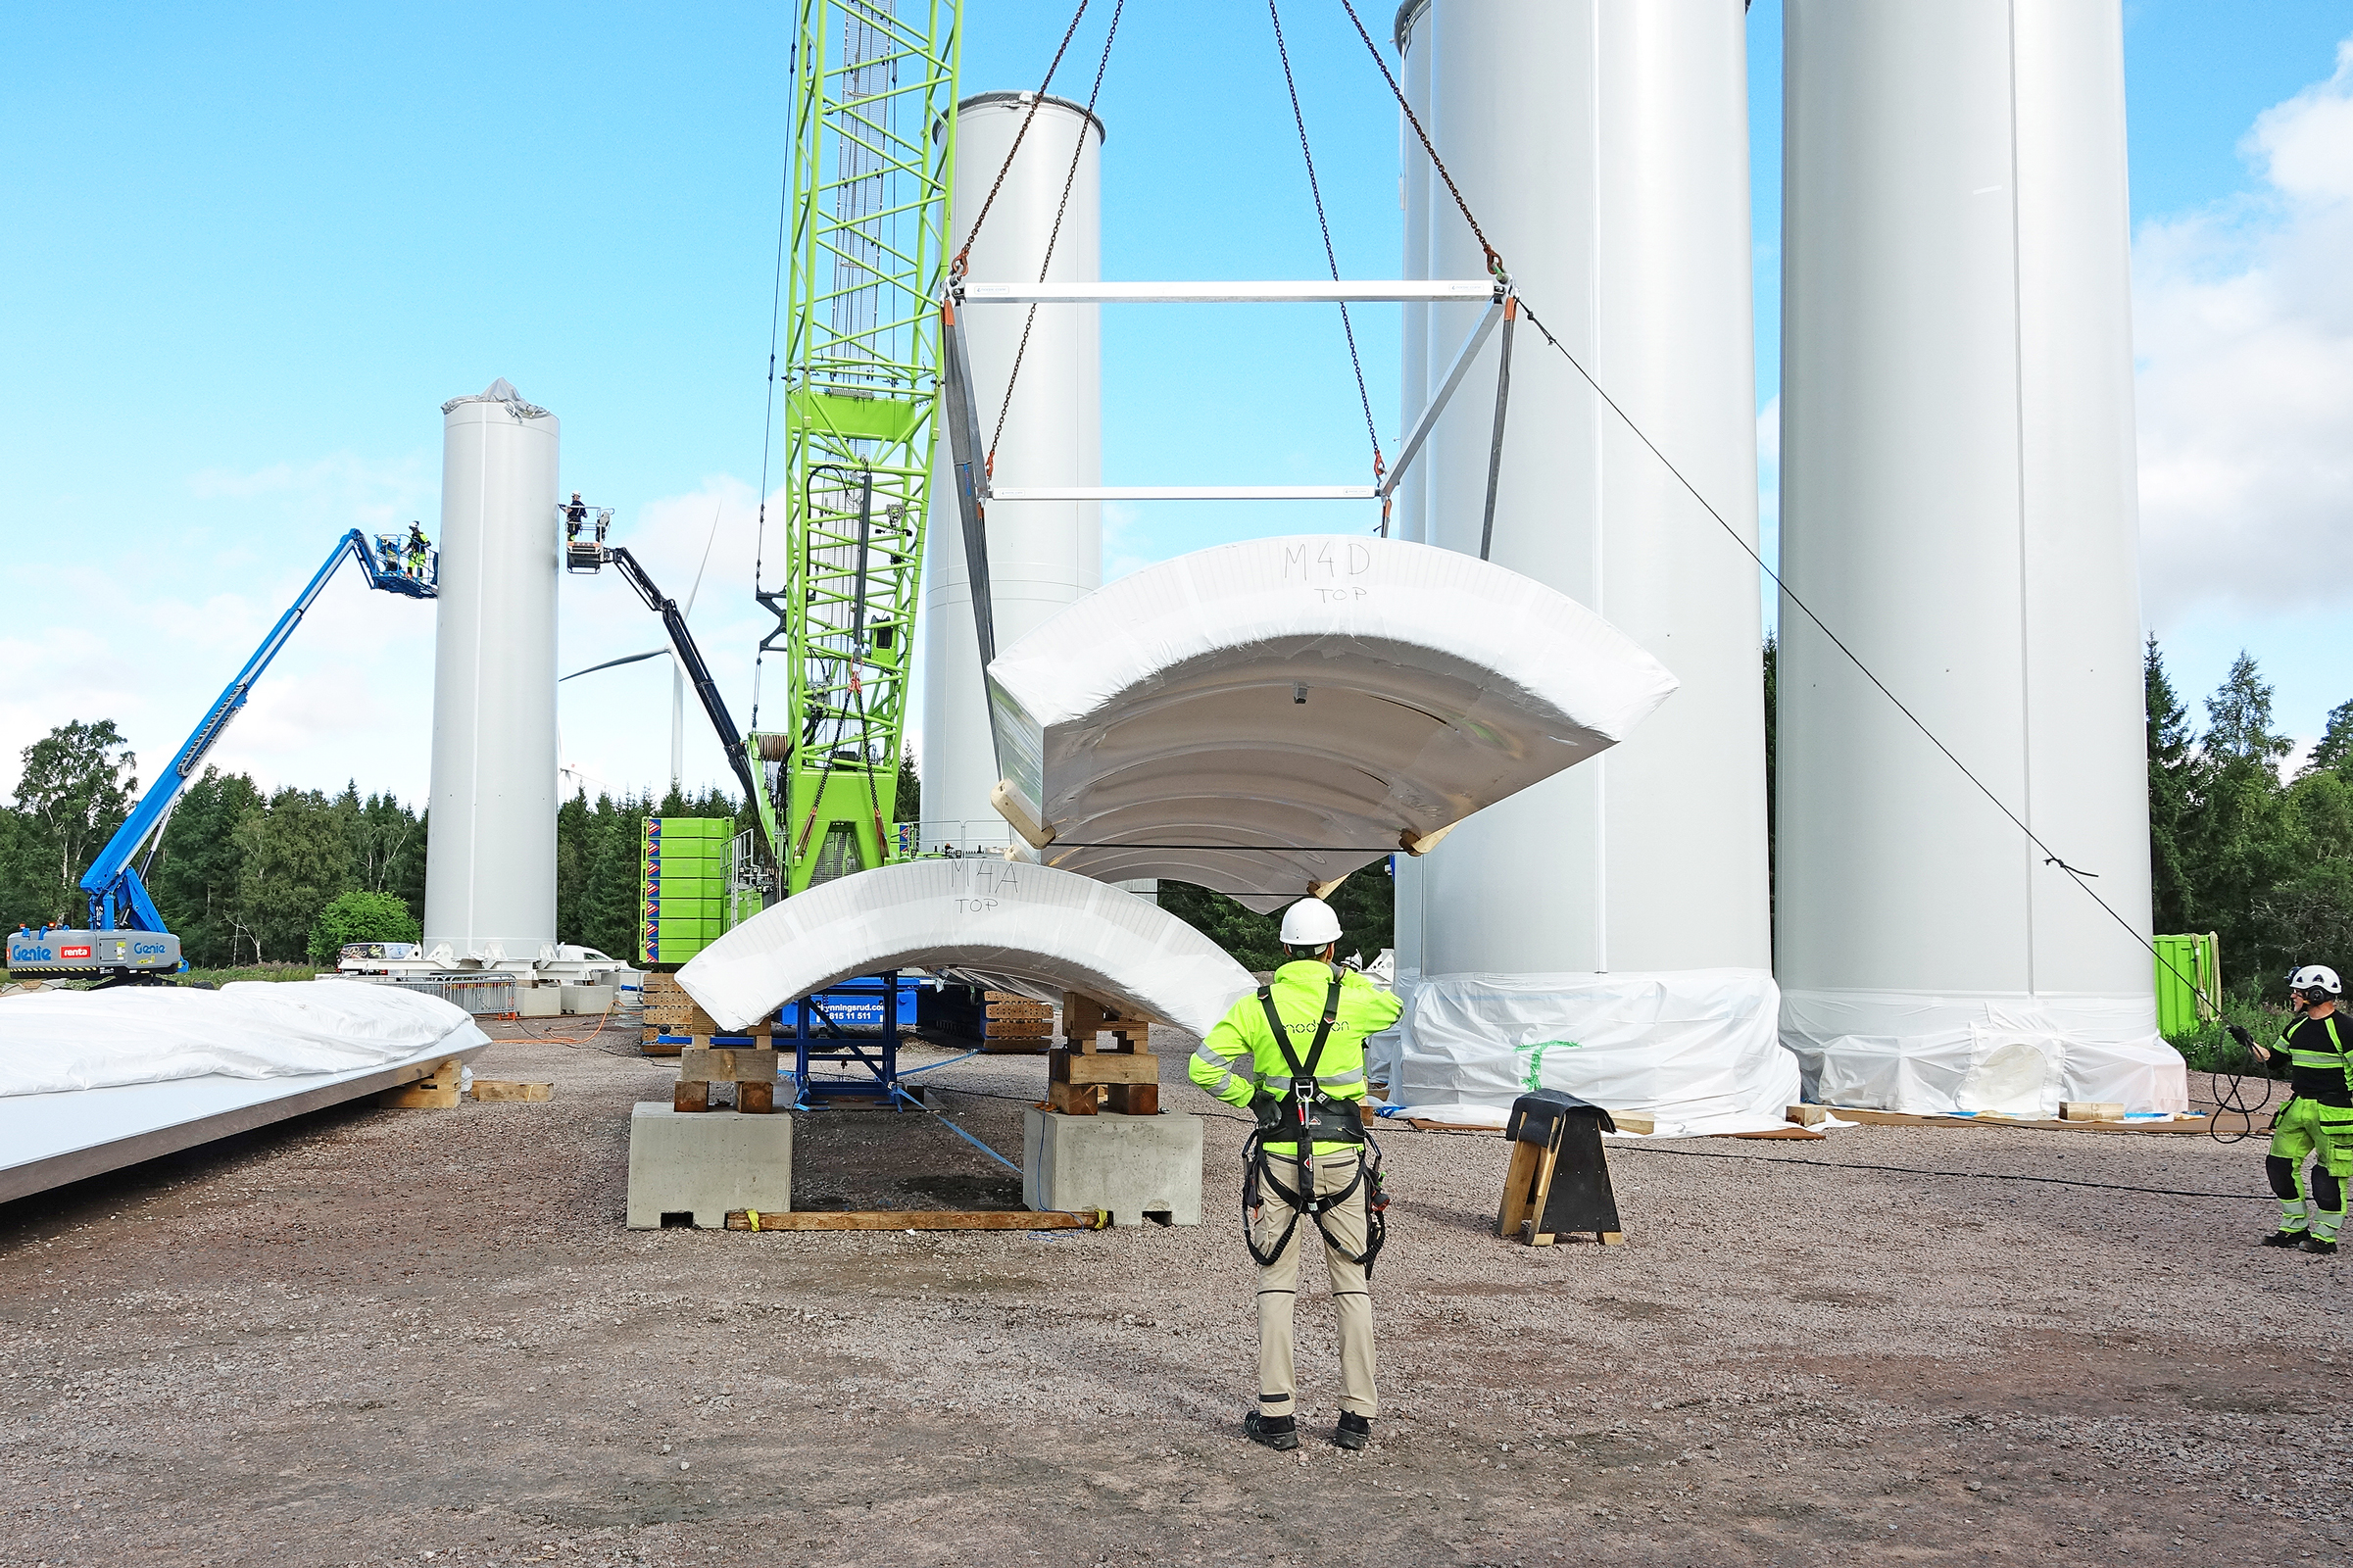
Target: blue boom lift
point(126, 940)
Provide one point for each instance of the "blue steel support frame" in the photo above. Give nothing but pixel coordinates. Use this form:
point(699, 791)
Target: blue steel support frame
point(879, 1059)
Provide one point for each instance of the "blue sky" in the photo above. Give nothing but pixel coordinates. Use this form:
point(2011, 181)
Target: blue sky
point(250, 249)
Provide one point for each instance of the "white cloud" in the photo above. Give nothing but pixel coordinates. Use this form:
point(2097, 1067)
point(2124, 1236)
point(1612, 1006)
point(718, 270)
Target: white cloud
point(616, 724)
point(351, 696)
point(2244, 326)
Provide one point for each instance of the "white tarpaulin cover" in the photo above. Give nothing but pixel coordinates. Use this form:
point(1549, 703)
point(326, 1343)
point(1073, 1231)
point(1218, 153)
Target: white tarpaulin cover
point(1316, 703)
point(53, 1041)
point(1694, 1049)
point(2020, 1056)
point(986, 915)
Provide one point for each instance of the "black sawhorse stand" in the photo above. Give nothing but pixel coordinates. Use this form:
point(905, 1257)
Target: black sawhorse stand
point(1558, 1182)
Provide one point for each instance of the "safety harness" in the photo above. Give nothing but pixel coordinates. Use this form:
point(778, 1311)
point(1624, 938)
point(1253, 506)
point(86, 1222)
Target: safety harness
point(1311, 1115)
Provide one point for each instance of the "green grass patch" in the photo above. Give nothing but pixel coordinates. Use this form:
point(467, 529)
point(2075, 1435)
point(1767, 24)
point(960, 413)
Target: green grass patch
point(2210, 1047)
point(267, 971)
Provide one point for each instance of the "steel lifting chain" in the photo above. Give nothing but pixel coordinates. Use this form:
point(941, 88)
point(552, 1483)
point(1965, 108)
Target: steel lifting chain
point(964, 255)
point(1078, 149)
point(1495, 262)
point(1330, 257)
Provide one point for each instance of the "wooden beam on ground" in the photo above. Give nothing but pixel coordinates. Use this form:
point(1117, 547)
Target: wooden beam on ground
point(497, 1090)
point(921, 1219)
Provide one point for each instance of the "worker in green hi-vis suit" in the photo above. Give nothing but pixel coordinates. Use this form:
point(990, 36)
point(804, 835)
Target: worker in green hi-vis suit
point(2316, 1122)
point(1293, 1051)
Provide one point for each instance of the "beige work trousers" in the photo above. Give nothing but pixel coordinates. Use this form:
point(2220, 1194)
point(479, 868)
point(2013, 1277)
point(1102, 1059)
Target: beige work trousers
point(1277, 1287)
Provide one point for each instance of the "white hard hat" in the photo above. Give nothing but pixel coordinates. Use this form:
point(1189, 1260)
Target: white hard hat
point(2313, 976)
point(1310, 924)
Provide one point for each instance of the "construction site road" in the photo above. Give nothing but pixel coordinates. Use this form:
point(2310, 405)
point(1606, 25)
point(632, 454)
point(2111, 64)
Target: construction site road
point(423, 1336)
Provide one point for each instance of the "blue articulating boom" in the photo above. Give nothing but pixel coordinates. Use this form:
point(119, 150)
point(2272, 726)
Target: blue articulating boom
point(126, 939)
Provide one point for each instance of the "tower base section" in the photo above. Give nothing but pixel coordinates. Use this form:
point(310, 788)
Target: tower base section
point(1693, 1050)
point(1131, 1166)
point(2020, 1056)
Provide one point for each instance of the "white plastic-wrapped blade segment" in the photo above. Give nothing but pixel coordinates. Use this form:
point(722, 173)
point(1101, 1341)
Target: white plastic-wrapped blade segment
point(989, 916)
point(54, 1040)
point(1263, 718)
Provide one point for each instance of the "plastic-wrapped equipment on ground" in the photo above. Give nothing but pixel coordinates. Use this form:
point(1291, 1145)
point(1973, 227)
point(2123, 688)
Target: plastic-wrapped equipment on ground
point(982, 915)
point(54, 1040)
point(92, 1081)
point(1694, 1049)
point(2018, 1055)
point(1263, 718)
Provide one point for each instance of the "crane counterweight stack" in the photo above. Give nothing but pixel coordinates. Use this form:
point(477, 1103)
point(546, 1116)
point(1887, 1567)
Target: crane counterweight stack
point(866, 266)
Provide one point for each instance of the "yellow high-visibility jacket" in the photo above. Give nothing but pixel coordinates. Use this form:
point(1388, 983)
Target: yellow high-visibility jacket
point(1239, 1057)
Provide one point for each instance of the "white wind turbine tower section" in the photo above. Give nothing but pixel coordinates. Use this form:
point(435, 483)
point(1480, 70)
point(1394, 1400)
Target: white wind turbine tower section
point(1958, 504)
point(1043, 555)
point(490, 866)
point(1605, 148)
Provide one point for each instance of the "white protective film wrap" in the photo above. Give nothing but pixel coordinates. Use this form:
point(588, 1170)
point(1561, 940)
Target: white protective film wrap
point(990, 918)
point(53, 1041)
point(1310, 702)
point(1694, 1049)
point(2017, 1055)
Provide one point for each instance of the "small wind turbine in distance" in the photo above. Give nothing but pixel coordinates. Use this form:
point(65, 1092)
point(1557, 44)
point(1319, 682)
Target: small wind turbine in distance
point(677, 676)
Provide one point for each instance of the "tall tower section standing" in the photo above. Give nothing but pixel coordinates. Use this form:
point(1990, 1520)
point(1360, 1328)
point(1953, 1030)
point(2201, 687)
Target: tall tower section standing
point(490, 865)
point(1958, 503)
point(1605, 148)
point(1043, 555)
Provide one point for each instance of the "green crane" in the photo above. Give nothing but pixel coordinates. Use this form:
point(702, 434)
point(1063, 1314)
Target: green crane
point(865, 263)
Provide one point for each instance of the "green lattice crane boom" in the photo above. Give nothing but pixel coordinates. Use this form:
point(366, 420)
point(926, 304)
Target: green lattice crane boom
point(875, 89)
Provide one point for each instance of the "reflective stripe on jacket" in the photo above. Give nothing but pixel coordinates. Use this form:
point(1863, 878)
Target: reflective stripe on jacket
point(1238, 1056)
point(2319, 1059)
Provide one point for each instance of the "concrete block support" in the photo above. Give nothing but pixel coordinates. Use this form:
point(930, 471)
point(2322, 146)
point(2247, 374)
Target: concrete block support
point(709, 1163)
point(1129, 1166)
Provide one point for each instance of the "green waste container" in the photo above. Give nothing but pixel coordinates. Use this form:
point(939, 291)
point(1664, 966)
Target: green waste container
point(2190, 982)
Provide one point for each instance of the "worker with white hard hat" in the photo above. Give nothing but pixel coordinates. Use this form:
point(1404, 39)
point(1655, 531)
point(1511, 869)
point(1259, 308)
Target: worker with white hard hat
point(1293, 1051)
point(2317, 1118)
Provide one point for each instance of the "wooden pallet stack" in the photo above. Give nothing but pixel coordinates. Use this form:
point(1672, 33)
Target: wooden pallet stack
point(1125, 1078)
point(1015, 1024)
point(669, 1010)
point(753, 1072)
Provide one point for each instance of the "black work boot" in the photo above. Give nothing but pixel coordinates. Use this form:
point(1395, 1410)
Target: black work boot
point(2284, 1238)
point(1275, 1431)
point(1355, 1430)
point(2320, 1245)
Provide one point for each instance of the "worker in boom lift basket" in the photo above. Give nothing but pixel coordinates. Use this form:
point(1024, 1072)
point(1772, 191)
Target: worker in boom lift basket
point(418, 549)
point(1293, 1052)
point(575, 516)
point(2317, 1118)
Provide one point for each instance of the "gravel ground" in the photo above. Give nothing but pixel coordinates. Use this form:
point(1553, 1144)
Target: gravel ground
point(425, 1336)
